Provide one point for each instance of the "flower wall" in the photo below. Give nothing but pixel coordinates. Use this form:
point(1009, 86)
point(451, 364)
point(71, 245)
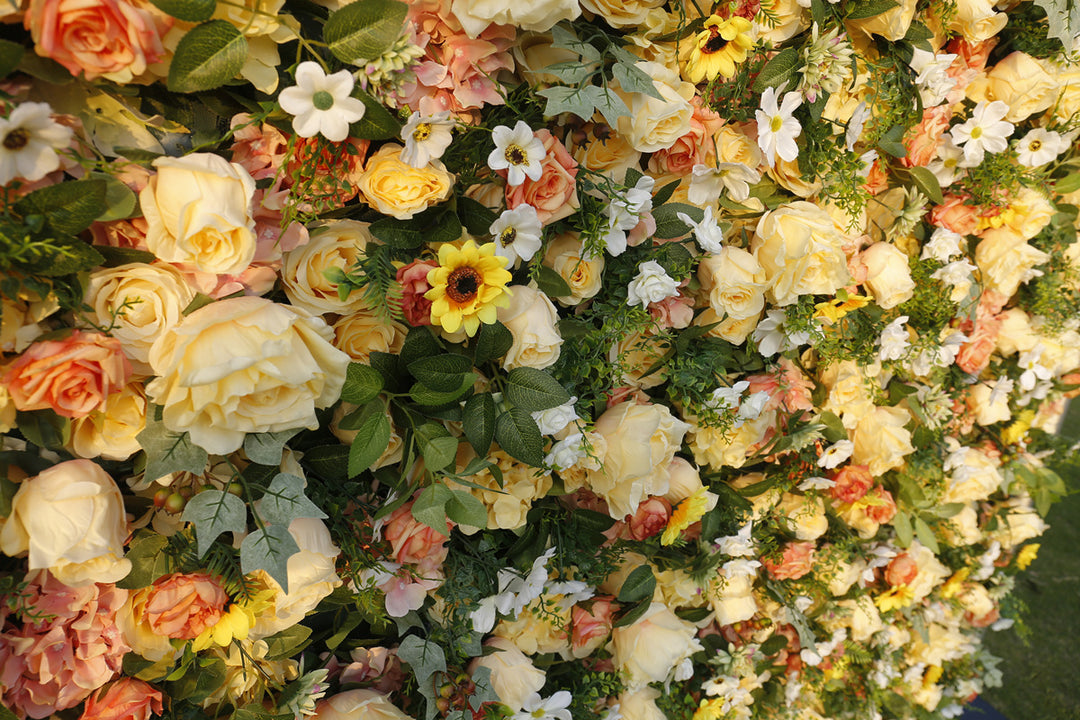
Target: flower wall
point(466, 359)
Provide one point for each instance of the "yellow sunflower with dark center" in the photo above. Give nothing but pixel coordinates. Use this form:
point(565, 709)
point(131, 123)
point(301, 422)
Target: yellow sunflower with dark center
point(468, 287)
point(718, 48)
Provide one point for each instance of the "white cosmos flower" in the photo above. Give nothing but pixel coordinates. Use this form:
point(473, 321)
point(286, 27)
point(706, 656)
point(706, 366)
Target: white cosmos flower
point(986, 130)
point(835, 454)
point(517, 233)
point(552, 708)
point(777, 129)
point(426, 138)
point(29, 139)
point(651, 284)
point(519, 152)
point(706, 183)
point(321, 103)
point(949, 161)
point(1039, 147)
point(709, 234)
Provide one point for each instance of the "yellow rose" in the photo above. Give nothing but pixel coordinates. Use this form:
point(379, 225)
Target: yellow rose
point(881, 441)
point(652, 647)
point(963, 527)
point(861, 616)
point(565, 255)
point(364, 332)
point(198, 212)
point(789, 176)
point(1006, 261)
point(987, 408)
point(1067, 76)
point(732, 598)
point(849, 391)
point(734, 330)
point(977, 21)
point(887, 275)
point(641, 442)
point(145, 300)
point(132, 622)
point(712, 446)
point(801, 249)
point(1019, 81)
point(513, 676)
point(977, 478)
point(358, 705)
point(1021, 524)
point(931, 572)
point(654, 124)
point(612, 156)
point(634, 355)
point(337, 245)
point(640, 704)
point(735, 283)
point(70, 520)
point(622, 13)
point(397, 189)
point(531, 319)
point(1016, 334)
point(476, 15)
point(534, 53)
point(685, 480)
point(790, 21)
point(507, 502)
point(111, 432)
point(244, 365)
point(540, 628)
point(263, 24)
point(734, 146)
point(805, 516)
point(892, 24)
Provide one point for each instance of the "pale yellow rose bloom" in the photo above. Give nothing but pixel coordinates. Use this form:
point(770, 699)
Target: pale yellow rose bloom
point(735, 283)
point(335, 246)
point(111, 433)
point(1021, 82)
point(652, 647)
point(532, 320)
point(513, 675)
point(584, 274)
point(801, 249)
point(881, 440)
point(358, 705)
point(395, 188)
point(888, 275)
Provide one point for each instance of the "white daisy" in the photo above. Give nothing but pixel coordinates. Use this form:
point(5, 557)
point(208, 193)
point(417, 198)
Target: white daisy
point(29, 139)
point(948, 163)
point(777, 129)
point(552, 708)
point(517, 233)
point(426, 138)
point(1039, 147)
point(706, 183)
point(835, 454)
point(651, 284)
point(1033, 370)
point(519, 152)
point(709, 234)
point(986, 130)
point(321, 103)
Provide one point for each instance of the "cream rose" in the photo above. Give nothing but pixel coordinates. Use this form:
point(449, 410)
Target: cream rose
point(805, 516)
point(656, 124)
point(735, 282)
point(476, 15)
point(881, 441)
point(395, 188)
point(887, 274)
point(790, 21)
point(634, 355)
point(640, 705)
point(801, 249)
point(734, 330)
point(1019, 81)
point(584, 274)
point(70, 520)
point(714, 447)
point(244, 365)
point(651, 648)
point(863, 619)
point(622, 13)
point(892, 24)
point(364, 332)
point(336, 246)
point(975, 478)
point(111, 432)
point(988, 408)
point(358, 705)
point(977, 21)
point(732, 598)
point(513, 676)
point(531, 318)
point(612, 156)
point(1006, 261)
point(198, 212)
point(849, 391)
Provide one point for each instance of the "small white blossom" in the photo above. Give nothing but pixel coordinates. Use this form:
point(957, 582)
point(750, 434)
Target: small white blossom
point(752, 407)
point(554, 419)
point(517, 151)
point(321, 103)
point(1033, 371)
point(426, 138)
point(29, 139)
point(706, 182)
point(709, 234)
point(943, 245)
point(741, 544)
point(948, 163)
point(855, 125)
point(817, 483)
point(932, 76)
point(835, 454)
point(567, 452)
point(1039, 147)
point(772, 337)
point(986, 130)
point(517, 233)
point(894, 340)
point(624, 213)
point(553, 708)
point(777, 128)
point(956, 274)
point(1000, 390)
point(867, 160)
point(727, 398)
point(740, 567)
point(651, 284)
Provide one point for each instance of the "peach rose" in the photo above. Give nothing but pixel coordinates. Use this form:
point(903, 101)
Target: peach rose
point(412, 541)
point(582, 272)
point(126, 699)
point(554, 195)
point(413, 281)
point(879, 505)
point(182, 606)
point(74, 376)
point(694, 148)
point(902, 570)
point(650, 518)
point(955, 215)
point(591, 626)
point(852, 482)
point(797, 560)
point(923, 139)
point(114, 39)
point(364, 332)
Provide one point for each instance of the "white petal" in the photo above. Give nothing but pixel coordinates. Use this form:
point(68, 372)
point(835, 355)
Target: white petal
point(307, 124)
point(295, 100)
point(309, 74)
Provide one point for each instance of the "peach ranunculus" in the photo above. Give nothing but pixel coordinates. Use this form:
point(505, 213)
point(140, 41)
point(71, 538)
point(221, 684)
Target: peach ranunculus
point(126, 699)
point(852, 482)
point(73, 377)
point(797, 560)
point(591, 626)
point(114, 39)
point(414, 542)
point(413, 280)
point(75, 648)
point(955, 215)
point(181, 606)
point(554, 195)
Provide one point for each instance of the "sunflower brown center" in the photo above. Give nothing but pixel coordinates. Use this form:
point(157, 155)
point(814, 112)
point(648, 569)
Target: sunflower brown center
point(715, 43)
point(462, 284)
point(507, 236)
point(515, 154)
point(16, 139)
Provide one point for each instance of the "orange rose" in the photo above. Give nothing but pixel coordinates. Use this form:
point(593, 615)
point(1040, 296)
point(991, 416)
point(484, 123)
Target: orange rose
point(554, 195)
point(182, 606)
point(955, 215)
point(73, 376)
point(592, 626)
point(797, 560)
point(414, 542)
point(902, 570)
point(852, 482)
point(126, 699)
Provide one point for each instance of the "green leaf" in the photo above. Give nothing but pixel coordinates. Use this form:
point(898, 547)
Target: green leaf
point(904, 532)
point(639, 585)
point(664, 194)
point(363, 384)
point(44, 428)
point(492, 342)
point(926, 535)
point(423, 395)
point(378, 123)
point(774, 644)
point(372, 439)
point(518, 435)
point(430, 507)
point(364, 30)
point(927, 183)
point(572, 72)
point(632, 615)
point(214, 512)
point(870, 8)
point(424, 657)
point(117, 256)
point(329, 462)
point(285, 501)
point(634, 79)
point(478, 422)
point(266, 448)
point(892, 142)
point(466, 509)
point(534, 390)
point(431, 226)
point(11, 54)
point(476, 217)
point(1063, 19)
point(69, 207)
point(187, 10)
point(1067, 184)
point(207, 57)
point(288, 642)
point(610, 105)
point(779, 70)
point(269, 549)
point(668, 224)
point(563, 99)
point(834, 427)
point(68, 258)
point(120, 200)
point(551, 283)
point(441, 372)
point(44, 68)
point(149, 561)
point(561, 37)
point(438, 447)
point(168, 451)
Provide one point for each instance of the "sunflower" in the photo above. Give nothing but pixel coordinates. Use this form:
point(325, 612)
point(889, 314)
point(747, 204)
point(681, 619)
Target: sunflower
point(686, 514)
point(468, 287)
point(718, 48)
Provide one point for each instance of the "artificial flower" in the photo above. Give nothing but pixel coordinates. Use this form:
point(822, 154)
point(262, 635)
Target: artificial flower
point(30, 142)
point(468, 287)
point(518, 151)
point(718, 48)
point(321, 103)
point(985, 131)
point(517, 234)
point(777, 129)
point(706, 183)
point(426, 137)
point(1039, 147)
point(651, 284)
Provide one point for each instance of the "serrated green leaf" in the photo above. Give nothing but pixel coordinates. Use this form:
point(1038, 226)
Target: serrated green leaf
point(1063, 19)
point(475, 216)
point(168, 451)
point(478, 422)
point(638, 585)
point(363, 384)
point(431, 226)
point(632, 615)
point(441, 372)
point(633, 79)
point(779, 70)
point(11, 54)
point(430, 507)
point(214, 512)
point(364, 30)
point(534, 390)
point(571, 72)
point(207, 57)
point(610, 105)
point(870, 8)
point(562, 99)
point(519, 436)
point(378, 123)
point(269, 549)
point(266, 448)
point(466, 509)
point(424, 657)
point(68, 208)
point(285, 501)
point(437, 446)
point(492, 342)
point(668, 224)
point(149, 561)
point(551, 283)
point(187, 10)
point(564, 38)
point(423, 395)
point(372, 439)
